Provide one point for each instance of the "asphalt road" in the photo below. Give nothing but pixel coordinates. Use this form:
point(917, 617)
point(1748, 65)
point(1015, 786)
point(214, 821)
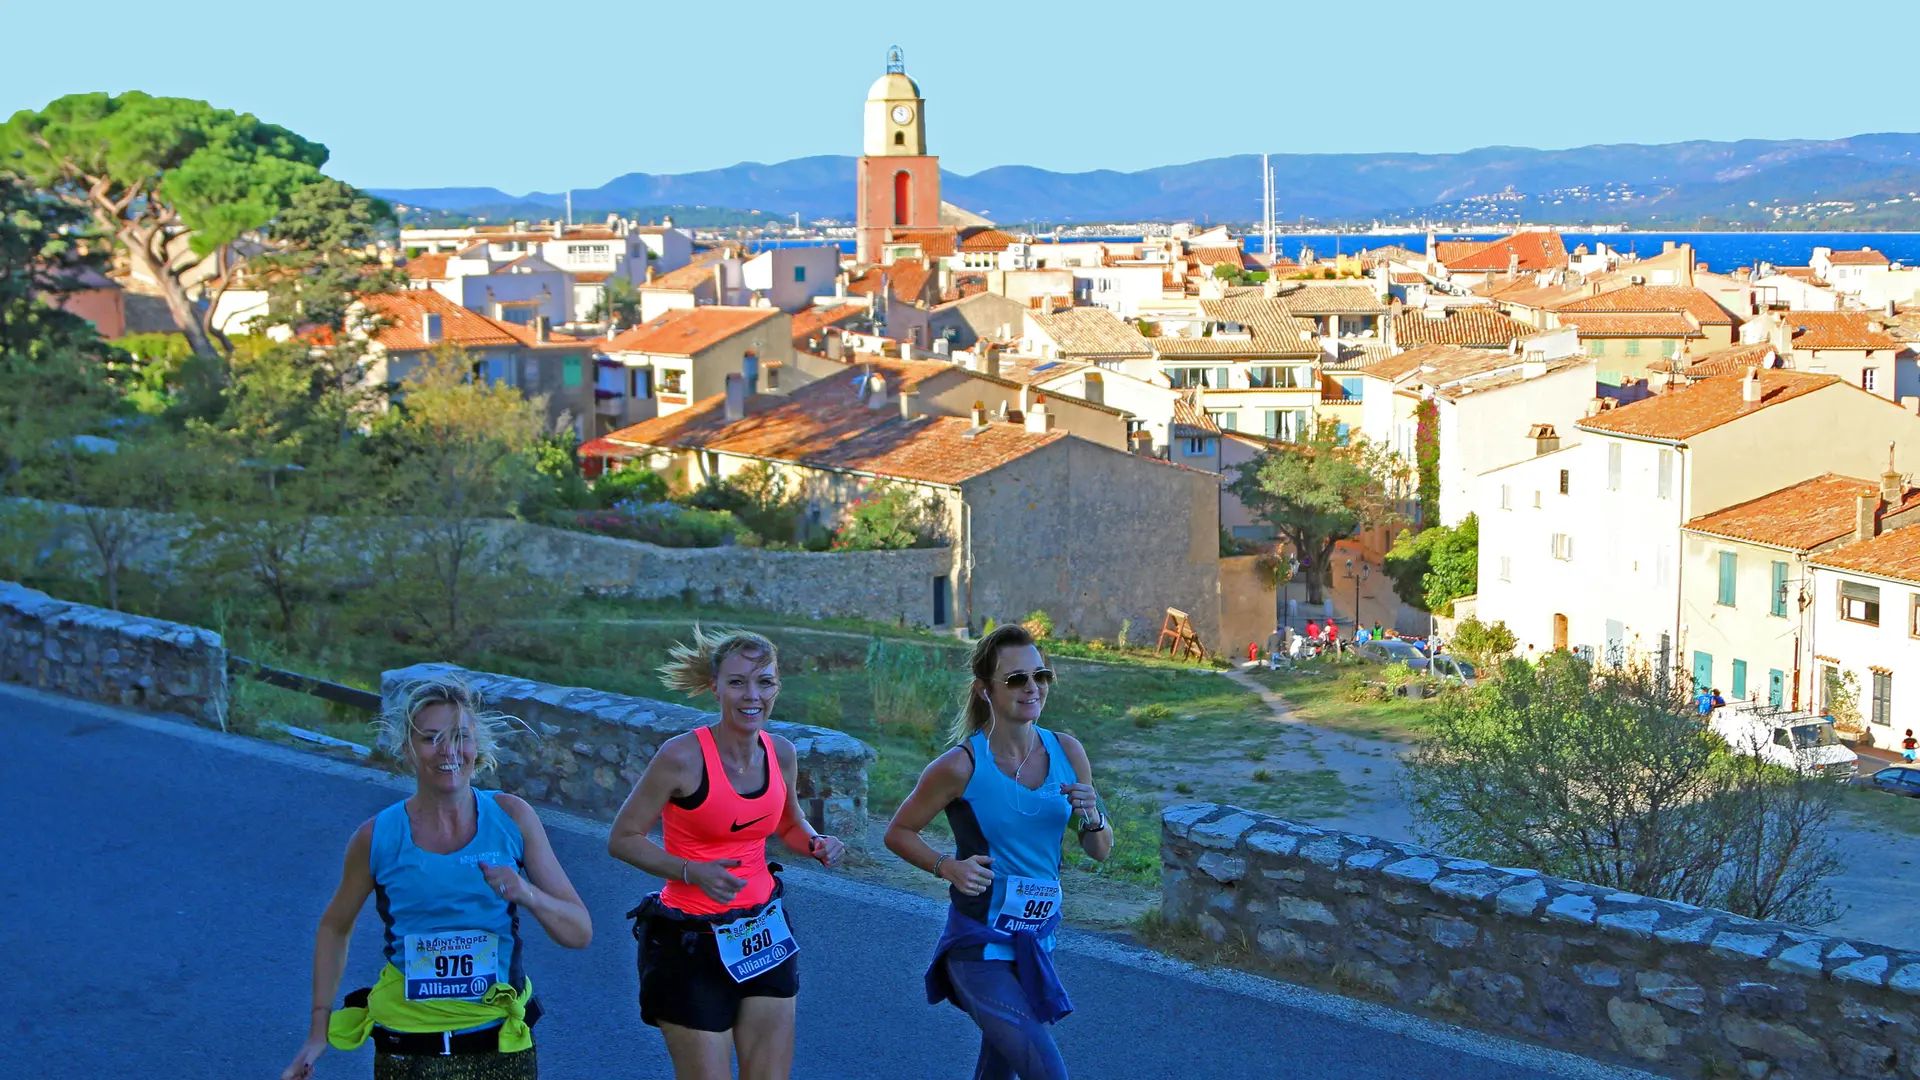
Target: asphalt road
point(162, 883)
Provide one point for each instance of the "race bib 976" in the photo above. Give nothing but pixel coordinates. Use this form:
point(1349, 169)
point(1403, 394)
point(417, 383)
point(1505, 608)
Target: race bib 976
point(458, 965)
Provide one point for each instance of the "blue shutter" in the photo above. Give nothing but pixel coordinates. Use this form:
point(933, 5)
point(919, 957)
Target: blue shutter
point(1739, 678)
point(1727, 568)
point(1777, 688)
point(1702, 670)
point(1777, 602)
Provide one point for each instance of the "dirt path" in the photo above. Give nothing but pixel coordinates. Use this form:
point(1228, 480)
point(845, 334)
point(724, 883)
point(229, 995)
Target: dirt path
point(1370, 768)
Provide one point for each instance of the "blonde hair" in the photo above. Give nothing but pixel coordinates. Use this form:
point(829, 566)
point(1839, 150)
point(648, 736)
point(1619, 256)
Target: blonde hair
point(489, 727)
point(975, 713)
point(691, 669)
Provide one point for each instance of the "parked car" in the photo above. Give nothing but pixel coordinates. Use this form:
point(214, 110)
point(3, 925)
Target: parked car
point(1449, 668)
point(1392, 651)
point(1803, 741)
point(1898, 779)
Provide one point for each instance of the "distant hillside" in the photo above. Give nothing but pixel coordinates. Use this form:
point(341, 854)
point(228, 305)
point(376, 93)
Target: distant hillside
point(1867, 181)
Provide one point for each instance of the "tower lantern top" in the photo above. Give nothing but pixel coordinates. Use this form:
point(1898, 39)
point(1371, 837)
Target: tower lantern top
point(896, 61)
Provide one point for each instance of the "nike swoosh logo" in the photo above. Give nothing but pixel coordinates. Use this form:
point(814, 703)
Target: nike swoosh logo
point(737, 826)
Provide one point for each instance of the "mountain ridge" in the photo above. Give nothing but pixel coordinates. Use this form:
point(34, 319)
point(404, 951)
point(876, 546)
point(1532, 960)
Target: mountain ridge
point(1615, 183)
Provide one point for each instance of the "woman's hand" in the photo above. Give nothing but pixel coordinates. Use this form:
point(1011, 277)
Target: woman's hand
point(509, 885)
point(1082, 798)
point(828, 849)
point(714, 880)
point(969, 875)
point(302, 1067)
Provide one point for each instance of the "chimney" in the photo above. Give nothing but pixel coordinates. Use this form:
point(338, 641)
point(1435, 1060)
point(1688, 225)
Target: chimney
point(909, 405)
point(650, 272)
point(1513, 265)
point(1545, 439)
point(979, 414)
point(430, 327)
point(1892, 488)
point(1892, 308)
point(720, 281)
point(1666, 246)
point(543, 329)
point(1866, 518)
point(750, 371)
point(990, 360)
point(559, 229)
point(667, 221)
point(840, 284)
point(1534, 366)
point(876, 391)
point(736, 397)
point(1039, 420)
point(1026, 398)
point(836, 346)
point(946, 278)
point(1750, 386)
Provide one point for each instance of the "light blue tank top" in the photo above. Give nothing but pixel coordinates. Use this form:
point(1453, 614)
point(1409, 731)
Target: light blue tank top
point(420, 892)
point(1021, 829)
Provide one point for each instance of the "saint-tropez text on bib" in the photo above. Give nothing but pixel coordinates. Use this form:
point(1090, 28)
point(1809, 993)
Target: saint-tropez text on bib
point(756, 943)
point(458, 965)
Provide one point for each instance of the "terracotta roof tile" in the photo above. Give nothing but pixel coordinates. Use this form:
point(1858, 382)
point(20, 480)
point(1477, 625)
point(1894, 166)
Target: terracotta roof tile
point(1481, 326)
point(1684, 412)
point(984, 239)
point(1866, 256)
point(1734, 361)
point(1655, 298)
point(818, 318)
point(1838, 330)
point(907, 278)
point(687, 278)
point(1227, 255)
point(1091, 331)
point(1188, 414)
point(687, 331)
point(824, 425)
point(1269, 329)
point(1893, 554)
point(427, 267)
point(1537, 251)
point(403, 316)
point(591, 277)
point(1630, 324)
point(933, 243)
point(1802, 517)
point(1332, 300)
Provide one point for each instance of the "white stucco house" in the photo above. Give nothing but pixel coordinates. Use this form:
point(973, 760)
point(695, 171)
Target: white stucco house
point(1866, 623)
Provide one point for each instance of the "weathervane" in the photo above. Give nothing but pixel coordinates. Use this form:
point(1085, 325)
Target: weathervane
point(896, 61)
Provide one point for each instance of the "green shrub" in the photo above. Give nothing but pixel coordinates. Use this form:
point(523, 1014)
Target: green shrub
point(1183, 787)
point(665, 524)
point(891, 516)
point(1150, 716)
point(1039, 624)
point(1262, 776)
point(1399, 675)
point(629, 484)
point(758, 496)
point(1126, 630)
point(1482, 645)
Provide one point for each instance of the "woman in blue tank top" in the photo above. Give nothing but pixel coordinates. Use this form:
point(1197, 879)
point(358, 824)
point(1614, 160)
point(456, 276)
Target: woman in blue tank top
point(1009, 789)
point(451, 870)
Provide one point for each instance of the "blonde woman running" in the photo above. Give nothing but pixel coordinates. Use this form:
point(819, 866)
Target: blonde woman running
point(454, 868)
point(1009, 788)
point(718, 961)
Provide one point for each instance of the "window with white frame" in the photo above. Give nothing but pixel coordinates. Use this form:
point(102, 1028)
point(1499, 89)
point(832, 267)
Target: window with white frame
point(1869, 378)
point(1506, 568)
point(590, 254)
point(1563, 547)
point(1860, 603)
point(1506, 496)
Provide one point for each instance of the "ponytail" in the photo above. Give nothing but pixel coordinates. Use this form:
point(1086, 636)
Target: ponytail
point(976, 713)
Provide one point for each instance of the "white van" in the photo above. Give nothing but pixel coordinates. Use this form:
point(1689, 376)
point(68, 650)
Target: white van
point(1805, 741)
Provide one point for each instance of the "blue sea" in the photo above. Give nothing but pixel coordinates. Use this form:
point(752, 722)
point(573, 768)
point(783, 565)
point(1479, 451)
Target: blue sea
point(1721, 251)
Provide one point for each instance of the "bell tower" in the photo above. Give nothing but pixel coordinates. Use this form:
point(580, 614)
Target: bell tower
point(898, 182)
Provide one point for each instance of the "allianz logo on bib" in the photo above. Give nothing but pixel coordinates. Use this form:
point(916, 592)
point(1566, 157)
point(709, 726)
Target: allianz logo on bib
point(754, 965)
point(423, 989)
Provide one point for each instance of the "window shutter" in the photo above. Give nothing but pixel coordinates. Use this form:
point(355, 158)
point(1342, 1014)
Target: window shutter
point(1219, 378)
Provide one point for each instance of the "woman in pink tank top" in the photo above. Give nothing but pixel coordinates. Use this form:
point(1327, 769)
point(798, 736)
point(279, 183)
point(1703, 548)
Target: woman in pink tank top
point(718, 961)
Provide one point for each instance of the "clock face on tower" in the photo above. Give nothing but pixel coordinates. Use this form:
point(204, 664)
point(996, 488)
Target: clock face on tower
point(902, 114)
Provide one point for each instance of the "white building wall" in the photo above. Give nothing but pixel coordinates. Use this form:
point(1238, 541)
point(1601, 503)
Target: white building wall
point(1119, 289)
point(1859, 648)
point(549, 288)
point(1486, 430)
point(791, 277)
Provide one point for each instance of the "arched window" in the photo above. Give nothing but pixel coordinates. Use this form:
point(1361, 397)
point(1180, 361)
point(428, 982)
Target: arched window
point(899, 138)
point(902, 196)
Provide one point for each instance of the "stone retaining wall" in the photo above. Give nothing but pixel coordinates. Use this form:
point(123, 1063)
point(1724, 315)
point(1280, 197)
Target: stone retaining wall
point(106, 656)
point(593, 747)
point(1684, 990)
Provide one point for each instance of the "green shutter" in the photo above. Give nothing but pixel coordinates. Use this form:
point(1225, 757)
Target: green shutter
point(1727, 565)
point(1777, 602)
point(1702, 670)
point(1777, 688)
point(1219, 378)
point(570, 371)
point(1739, 679)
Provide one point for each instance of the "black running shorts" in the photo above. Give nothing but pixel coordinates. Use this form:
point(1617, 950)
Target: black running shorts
point(683, 983)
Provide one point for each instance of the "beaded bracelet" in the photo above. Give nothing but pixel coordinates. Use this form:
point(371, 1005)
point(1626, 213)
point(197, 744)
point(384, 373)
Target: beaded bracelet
point(939, 862)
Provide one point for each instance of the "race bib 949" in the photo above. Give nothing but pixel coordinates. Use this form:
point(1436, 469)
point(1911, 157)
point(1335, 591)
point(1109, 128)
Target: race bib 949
point(458, 965)
point(1029, 904)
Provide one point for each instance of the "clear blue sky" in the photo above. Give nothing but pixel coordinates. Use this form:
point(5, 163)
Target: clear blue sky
point(543, 96)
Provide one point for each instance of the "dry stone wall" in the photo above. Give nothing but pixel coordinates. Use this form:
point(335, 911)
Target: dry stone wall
point(593, 746)
point(1682, 990)
point(107, 656)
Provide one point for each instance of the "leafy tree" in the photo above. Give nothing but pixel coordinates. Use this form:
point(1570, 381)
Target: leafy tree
point(619, 301)
point(1426, 460)
point(1318, 492)
point(1607, 778)
point(459, 453)
point(890, 516)
point(149, 169)
point(113, 487)
point(323, 256)
point(758, 497)
point(1483, 644)
point(54, 368)
point(631, 484)
point(1435, 566)
point(279, 529)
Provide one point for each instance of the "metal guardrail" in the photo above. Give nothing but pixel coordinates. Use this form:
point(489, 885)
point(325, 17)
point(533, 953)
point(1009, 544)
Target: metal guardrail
point(304, 684)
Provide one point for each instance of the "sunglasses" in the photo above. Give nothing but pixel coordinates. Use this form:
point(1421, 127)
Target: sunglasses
point(1043, 676)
